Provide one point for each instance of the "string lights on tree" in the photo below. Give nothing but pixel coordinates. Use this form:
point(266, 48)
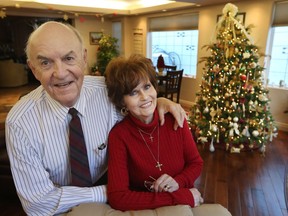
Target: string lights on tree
point(232, 107)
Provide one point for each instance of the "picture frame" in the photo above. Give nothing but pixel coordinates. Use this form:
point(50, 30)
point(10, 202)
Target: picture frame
point(240, 17)
point(95, 37)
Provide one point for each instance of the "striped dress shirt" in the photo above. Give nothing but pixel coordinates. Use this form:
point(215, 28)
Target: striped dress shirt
point(38, 147)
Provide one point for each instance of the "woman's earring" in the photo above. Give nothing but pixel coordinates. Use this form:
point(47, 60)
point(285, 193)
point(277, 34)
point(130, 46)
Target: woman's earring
point(124, 111)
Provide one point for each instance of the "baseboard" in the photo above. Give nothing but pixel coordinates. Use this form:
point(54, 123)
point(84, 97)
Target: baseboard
point(282, 126)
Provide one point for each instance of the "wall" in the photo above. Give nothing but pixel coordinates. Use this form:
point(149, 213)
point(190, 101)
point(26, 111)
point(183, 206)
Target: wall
point(258, 13)
point(91, 24)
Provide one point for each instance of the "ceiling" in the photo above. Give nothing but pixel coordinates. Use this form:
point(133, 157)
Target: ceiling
point(105, 7)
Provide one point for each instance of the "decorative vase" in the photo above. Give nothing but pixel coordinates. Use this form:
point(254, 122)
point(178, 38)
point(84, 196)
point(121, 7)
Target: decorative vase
point(160, 69)
point(160, 64)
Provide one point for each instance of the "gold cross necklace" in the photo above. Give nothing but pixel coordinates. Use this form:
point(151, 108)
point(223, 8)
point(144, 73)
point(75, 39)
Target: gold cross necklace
point(158, 164)
point(149, 134)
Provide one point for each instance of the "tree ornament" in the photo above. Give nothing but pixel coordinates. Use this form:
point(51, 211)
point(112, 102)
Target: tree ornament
point(211, 147)
point(246, 55)
point(243, 77)
point(255, 133)
point(214, 128)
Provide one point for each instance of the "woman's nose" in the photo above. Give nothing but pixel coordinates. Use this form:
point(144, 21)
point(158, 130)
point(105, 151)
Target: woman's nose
point(143, 94)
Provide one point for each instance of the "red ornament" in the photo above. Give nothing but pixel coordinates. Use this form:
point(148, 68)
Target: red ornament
point(243, 77)
point(81, 19)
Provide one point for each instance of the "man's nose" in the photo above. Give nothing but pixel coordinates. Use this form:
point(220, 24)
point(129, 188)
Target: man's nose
point(59, 69)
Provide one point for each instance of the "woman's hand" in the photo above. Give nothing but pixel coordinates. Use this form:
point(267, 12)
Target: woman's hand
point(198, 200)
point(165, 183)
point(164, 105)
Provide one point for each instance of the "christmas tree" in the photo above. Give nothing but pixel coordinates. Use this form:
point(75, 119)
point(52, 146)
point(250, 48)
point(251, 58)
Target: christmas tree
point(232, 107)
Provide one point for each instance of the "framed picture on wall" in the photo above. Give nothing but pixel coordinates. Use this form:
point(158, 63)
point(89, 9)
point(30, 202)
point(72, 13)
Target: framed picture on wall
point(95, 37)
point(240, 17)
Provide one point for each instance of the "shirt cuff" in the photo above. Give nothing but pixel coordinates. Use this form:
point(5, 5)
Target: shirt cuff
point(99, 194)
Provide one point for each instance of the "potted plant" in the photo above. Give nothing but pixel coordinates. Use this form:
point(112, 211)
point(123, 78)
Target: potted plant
point(107, 50)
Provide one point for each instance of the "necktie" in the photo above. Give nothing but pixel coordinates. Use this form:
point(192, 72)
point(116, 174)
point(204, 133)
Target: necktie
point(78, 153)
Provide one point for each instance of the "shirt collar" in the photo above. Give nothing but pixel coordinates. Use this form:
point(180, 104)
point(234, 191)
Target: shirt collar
point(62, 111)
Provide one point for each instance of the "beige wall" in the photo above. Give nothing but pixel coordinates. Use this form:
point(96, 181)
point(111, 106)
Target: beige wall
point(92, 24)
point(258, 13)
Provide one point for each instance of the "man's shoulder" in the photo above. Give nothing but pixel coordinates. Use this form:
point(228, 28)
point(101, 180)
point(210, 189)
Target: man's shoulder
point(94, 81)
point(25, 104)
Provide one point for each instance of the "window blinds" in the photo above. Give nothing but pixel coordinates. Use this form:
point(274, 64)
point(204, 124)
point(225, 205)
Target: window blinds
point(174, 22)
point(281, 14)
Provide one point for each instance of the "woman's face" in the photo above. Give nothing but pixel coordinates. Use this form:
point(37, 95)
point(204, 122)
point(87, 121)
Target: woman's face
point(142, 101)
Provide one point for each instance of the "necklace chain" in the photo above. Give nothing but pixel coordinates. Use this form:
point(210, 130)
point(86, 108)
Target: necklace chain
point(158, 164)
point(149, 134)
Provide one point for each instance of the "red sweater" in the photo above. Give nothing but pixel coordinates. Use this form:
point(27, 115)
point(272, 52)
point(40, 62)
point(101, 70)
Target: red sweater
point(130, 163)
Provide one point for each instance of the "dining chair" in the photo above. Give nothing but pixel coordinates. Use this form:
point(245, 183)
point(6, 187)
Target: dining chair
point(170, 67)
point(172, 85)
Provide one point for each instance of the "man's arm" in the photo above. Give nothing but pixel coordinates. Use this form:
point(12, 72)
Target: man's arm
point(38, 194)
point(165, 105)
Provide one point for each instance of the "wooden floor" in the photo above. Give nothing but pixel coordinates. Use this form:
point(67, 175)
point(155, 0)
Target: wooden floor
point(248, 184)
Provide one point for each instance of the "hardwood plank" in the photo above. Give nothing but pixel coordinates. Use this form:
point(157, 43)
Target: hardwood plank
point(273, 205)
point(260, 206)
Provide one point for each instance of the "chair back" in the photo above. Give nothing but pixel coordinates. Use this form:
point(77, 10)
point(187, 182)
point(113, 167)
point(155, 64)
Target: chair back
point(173, 83)
point(170, 67)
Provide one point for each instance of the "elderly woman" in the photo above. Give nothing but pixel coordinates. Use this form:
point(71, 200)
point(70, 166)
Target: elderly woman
point(149, 165)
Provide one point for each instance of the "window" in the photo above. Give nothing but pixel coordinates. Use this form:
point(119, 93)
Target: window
point(117, 33)
point(178, 48)
point(278, 66)
point(176, 38)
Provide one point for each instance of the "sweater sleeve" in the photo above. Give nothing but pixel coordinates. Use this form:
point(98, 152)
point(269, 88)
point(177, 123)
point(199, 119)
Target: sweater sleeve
point(193, 160)
point(120, 196)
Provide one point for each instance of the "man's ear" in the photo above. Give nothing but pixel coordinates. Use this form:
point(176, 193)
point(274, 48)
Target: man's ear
point(33, 69)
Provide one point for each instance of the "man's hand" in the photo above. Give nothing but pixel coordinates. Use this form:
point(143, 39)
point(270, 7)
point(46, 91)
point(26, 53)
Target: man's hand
point(164, 105)
point(198, 200)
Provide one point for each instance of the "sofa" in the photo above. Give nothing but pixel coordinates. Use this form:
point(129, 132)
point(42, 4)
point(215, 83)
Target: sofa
point(7, 188)
point(12, 74)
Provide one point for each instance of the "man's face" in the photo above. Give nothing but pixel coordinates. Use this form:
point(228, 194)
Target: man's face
point(58, 61)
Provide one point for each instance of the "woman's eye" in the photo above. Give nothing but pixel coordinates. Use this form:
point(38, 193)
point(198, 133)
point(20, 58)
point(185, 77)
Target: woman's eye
point(147, 86)
point(133, 93)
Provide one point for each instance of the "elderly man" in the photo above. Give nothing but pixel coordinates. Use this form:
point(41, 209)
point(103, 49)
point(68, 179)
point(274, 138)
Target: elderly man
point(37, 127)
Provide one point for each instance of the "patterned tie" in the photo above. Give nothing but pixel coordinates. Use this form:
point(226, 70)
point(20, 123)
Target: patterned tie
point(78, 153)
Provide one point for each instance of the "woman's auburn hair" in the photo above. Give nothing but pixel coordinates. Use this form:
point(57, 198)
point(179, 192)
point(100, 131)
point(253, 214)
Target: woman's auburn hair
point(123, 75)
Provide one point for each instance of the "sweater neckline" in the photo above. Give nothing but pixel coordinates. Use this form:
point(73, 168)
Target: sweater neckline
point(141, 125)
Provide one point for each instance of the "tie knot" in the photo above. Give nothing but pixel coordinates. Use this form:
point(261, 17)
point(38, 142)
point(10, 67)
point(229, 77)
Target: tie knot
point(73, 111)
